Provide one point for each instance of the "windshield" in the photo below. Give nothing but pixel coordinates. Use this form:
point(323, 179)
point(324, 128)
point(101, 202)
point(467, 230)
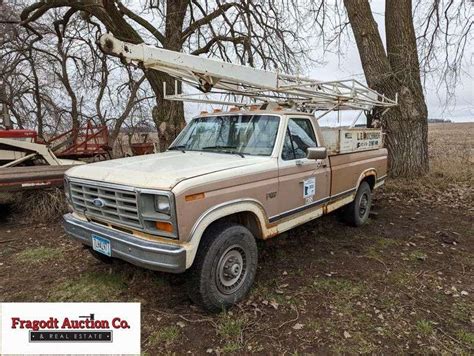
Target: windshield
point(241, 134)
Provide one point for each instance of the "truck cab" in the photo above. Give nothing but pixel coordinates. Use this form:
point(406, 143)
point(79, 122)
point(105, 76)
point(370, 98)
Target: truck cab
point(228, 179)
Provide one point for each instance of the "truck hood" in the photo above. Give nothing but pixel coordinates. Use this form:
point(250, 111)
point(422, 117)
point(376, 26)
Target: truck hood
point(161, 170)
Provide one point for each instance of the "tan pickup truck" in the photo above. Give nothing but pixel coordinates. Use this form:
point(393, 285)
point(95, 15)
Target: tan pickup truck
point(228, 179)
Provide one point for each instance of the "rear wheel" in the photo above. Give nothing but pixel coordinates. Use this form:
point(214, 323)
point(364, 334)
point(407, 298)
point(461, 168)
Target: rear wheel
point(224, 268)
point(357, 213)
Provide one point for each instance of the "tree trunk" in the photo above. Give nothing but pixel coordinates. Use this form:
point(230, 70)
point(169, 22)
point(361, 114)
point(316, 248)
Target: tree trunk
point(167, 115)
point(37, 98)
point(411, 141)
point(397, 72)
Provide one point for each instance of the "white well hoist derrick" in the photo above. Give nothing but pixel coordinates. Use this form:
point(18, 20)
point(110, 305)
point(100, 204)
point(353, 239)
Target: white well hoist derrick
point(219, 77)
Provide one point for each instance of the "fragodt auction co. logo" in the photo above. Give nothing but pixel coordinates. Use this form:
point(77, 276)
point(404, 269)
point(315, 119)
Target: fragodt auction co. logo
point(86, 328)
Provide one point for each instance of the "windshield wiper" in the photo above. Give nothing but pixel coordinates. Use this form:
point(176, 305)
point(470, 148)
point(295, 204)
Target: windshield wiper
point(238, 153)
point(178, 147)
point(218, 147)
point(226, 151)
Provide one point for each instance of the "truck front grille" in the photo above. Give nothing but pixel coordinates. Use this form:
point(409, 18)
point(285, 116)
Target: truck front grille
point(111, 204)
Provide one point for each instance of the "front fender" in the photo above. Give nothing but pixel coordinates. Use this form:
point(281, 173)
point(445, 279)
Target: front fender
point(217, 212)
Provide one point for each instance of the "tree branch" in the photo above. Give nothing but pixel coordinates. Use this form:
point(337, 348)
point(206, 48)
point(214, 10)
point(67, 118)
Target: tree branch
point(142, 22)
point(207, 19)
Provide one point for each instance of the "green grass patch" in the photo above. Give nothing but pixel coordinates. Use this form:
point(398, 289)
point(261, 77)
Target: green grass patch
point(401, 278)
point(462, 311)
point(315, 325)
point(356, 345)
point(379, 244)
point(230, 329)
point(466, 337)
point(389, 301)
point(384, 242)
point(343, 288)
point(424, 327)
point(418, 256)
point(38, 254)
point(6, 252)
point(267, 292)
point(90, 287)
point(167, 335)
point(231, 347)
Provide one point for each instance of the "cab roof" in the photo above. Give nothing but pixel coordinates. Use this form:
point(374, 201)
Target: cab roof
point(233, 112)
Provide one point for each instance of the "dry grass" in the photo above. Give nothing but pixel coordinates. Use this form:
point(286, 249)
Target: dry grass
point(40, 254)
point(46, 205)
point(451, 152)
point(450, 181)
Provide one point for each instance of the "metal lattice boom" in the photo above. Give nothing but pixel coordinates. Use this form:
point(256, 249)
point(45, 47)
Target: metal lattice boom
point(218, 77)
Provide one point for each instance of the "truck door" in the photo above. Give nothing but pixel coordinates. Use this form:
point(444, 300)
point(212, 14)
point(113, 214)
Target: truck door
point(303, 183)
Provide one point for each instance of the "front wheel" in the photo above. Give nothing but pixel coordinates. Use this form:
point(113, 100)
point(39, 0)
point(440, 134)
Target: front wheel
point(224, 268)
point(357, 213)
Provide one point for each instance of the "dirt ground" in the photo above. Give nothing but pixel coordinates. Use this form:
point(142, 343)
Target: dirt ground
point(402, 283)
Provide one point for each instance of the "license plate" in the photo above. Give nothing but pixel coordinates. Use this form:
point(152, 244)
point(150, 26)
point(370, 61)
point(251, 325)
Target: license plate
point(101, 245)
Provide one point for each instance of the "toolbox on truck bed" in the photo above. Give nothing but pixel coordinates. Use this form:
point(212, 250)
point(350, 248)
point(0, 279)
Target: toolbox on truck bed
point(347, 140)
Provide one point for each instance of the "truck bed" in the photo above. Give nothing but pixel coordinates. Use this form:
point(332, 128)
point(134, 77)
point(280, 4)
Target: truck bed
point(346, 140)
point(346, 169)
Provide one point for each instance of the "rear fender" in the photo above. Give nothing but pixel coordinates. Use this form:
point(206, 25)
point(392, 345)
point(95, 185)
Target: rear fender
point(367, 173)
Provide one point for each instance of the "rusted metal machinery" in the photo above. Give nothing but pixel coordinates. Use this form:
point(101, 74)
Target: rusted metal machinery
point(34, 177)
point(48, 174)
point(143, 148)
point(41, 167)
point(90, 141)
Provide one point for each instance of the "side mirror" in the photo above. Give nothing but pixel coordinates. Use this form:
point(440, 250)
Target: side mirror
point(317, 153)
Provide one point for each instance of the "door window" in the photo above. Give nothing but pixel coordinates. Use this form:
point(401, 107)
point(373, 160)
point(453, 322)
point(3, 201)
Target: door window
point(299, 136)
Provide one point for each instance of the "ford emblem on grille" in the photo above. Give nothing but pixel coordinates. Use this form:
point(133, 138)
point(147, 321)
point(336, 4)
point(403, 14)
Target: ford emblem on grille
point(98, 202)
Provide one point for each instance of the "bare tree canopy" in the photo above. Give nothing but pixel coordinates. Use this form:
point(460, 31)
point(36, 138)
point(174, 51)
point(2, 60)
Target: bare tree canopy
point(254, 33)
point(58, 82)
point(420, 39)
point(51, 59)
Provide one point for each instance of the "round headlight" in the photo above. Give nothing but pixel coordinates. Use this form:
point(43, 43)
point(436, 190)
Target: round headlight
point(162, 204)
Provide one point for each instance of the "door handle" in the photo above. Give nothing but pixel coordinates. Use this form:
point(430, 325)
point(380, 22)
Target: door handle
point(299, 162)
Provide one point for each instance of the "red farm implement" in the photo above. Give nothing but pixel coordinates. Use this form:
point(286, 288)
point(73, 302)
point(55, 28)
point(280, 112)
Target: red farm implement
point(90, 141)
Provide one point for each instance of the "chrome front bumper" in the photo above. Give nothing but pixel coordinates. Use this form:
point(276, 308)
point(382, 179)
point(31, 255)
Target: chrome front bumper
point(148, 254)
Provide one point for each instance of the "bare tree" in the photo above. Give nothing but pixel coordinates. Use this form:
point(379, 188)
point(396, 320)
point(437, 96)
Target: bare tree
point(255, 32)
point(430, 36)
point(51, 70)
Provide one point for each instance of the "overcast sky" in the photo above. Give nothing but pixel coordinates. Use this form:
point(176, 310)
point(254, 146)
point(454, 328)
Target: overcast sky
point(348, 65)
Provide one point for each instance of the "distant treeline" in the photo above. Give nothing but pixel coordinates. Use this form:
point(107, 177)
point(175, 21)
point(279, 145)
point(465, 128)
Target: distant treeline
point(437, 121)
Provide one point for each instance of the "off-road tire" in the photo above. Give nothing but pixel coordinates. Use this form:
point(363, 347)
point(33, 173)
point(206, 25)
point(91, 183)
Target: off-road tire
point(206, 276)
point(357, 213)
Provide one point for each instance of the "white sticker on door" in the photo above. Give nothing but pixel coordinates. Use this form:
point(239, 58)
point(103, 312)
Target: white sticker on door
point(309, 187)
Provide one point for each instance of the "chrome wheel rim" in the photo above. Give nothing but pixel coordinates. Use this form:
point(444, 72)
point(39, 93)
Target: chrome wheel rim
point(231, 270)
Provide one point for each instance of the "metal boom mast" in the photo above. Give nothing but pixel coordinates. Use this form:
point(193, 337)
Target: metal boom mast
point(219, 77)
